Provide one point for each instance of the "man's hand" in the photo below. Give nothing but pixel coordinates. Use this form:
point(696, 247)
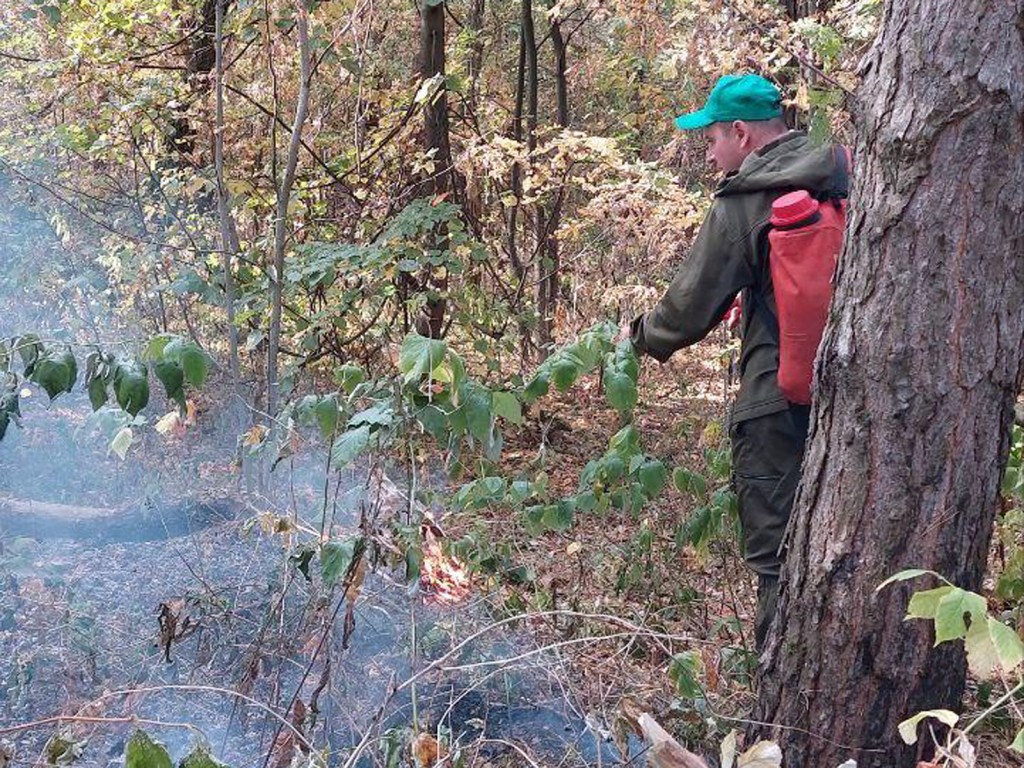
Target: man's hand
point(625, 332)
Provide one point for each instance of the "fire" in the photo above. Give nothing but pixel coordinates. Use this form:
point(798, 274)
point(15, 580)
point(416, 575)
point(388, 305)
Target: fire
point(446, 577)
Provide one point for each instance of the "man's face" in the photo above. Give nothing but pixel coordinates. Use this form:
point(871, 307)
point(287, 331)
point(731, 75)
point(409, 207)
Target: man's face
point(728, 145)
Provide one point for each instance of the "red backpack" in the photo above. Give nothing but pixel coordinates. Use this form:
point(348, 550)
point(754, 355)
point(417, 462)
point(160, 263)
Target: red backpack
point(804, 245)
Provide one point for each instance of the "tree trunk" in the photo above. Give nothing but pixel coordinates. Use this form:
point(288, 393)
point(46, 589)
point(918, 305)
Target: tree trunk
point(430, 321)
point(799, 9)
point(917, 376)
point(547, 277)
point(284, 192)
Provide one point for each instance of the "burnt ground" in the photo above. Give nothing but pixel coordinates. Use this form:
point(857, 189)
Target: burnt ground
point(79, 609)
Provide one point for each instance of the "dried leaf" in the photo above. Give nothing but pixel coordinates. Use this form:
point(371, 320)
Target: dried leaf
point(665, 751)
point(425, 750)
point(764, 754)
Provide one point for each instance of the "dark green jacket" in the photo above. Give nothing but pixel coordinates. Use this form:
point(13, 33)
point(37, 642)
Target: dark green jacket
point(731, 255)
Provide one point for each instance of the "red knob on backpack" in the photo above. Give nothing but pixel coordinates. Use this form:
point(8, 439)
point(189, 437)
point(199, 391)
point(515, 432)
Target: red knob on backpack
point(793, 208)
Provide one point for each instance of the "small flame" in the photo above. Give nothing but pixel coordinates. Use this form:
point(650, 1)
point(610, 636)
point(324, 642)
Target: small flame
point(446, 577)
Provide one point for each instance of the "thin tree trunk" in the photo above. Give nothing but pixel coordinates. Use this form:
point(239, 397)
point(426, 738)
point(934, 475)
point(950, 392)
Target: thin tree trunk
point(800, 9)
point(228, 231)
point(284, 192)
point(430, 321)
point(916, 377)
point(547, 285)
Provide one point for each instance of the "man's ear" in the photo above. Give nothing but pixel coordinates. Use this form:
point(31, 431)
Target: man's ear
point(743, 134)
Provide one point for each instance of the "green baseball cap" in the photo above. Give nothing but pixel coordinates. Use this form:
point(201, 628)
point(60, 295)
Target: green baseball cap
point(735, 97)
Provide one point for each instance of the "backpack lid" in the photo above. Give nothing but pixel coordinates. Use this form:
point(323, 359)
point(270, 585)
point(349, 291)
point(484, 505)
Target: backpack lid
point(793, 208)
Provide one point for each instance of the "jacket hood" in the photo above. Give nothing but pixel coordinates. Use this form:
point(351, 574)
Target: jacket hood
point(792, 161)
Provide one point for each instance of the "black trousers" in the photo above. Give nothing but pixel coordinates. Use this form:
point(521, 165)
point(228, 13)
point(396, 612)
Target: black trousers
point(766, 456)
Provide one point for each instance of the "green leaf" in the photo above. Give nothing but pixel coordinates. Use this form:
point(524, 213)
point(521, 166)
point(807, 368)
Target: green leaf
point(194, 363)
point(908, 728)
point(97, 393)
point(171, 375)
point(419, 356)
point(559, 516)
point(337, 556)
point(200, 758)
point(157, 345)
point(684, 670)
point(925, 604)
point(992, 647)
point(348, 377)
point(1018, 742)
point(475, 400)
point(620, 390)
point(506, 405)
point(143, 752)
point(29, 349)
point(652, 477)
point(950, 612)
point(625, 442)
point(689, 482)
point(131, 387)
point(906, 575)
point(55, 372)
point(537, 387)
point(327, 415)
point(349, 446)
point(565, 370)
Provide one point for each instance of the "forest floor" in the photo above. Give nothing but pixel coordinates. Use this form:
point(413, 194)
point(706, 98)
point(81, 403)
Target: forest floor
point(624, 616)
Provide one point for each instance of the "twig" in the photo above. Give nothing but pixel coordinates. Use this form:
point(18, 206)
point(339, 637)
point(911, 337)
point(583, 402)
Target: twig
point(93, 720)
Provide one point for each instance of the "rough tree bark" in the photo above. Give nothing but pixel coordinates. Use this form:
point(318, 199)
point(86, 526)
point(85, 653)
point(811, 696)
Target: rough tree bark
point(917, 377)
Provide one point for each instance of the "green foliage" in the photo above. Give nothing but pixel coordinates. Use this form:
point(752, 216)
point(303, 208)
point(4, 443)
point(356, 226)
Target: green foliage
point(177, 363)
point(338, 557)
point(142, 752)
point(685, 671)
point(994, 650)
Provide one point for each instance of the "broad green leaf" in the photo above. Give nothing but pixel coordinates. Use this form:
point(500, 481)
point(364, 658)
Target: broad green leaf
point(194, 363)
point(53, 375)
point(348, 377)
point(689, 482)
point(537, 387)
point(419, 356)
point(925, 604)
point(143, 752)
point(908, 728)
point(1007, 643)
point(327, 415)
point(620, 390)
point(506, 405)
point(949, 614)
point(992, 647)
point(131, 387)
point(381, 414)
point(475, 400)
point(909, 573)
point(157, 345)
point(626, 441)
point(170, 374)
point(336, 557)
point(565, 370)
point(122, 442)
point(652, 477)
point(559, 516)
point(685, 670)
point(29, 349)
point(349, 445)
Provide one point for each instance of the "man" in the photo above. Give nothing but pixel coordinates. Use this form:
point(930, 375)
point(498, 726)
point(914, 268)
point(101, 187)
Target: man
point(748, 141)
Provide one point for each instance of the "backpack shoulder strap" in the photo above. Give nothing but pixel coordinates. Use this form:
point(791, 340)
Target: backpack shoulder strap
point(841, 175)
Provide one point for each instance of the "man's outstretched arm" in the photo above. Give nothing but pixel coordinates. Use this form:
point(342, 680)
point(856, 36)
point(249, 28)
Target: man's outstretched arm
point(700, 294)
